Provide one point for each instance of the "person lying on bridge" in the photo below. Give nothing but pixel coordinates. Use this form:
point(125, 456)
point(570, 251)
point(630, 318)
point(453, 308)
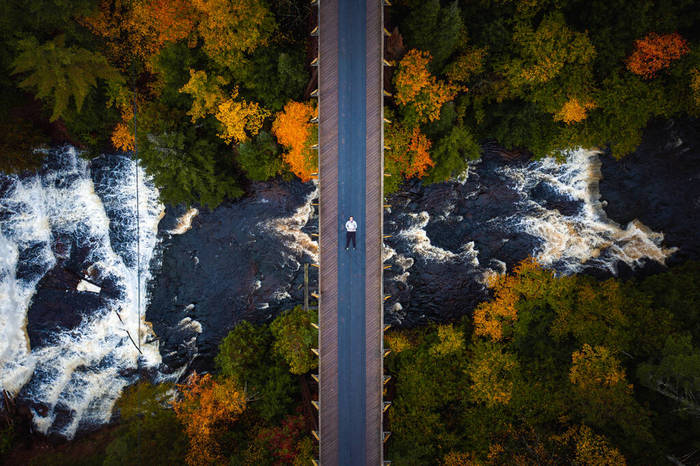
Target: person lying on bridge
point(351, 229)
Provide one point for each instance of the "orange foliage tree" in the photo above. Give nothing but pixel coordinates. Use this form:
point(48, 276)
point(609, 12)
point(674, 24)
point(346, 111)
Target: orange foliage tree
point(140, 29)
point(408, 151)
point(206, 408)
point(123, 137)
point(494, 318)
point(655, 52)
point(418, 91)
point(293, 130)
point(573, 111)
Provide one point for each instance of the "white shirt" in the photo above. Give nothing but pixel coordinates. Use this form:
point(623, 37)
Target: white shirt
point(351, 225)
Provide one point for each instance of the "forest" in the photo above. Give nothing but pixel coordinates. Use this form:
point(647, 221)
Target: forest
point(213, 96)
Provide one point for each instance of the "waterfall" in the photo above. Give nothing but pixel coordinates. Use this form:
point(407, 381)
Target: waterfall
point(80, 215)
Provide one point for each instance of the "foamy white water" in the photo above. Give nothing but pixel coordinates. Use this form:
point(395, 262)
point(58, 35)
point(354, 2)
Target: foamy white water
point(421, 245)
point(184, 222)
point(80, 372)
point(571, 242)
point(290, 229)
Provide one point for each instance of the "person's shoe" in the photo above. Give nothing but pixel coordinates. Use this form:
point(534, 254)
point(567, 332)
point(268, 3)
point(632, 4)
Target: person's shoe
point(354, 249)
point(346, 249)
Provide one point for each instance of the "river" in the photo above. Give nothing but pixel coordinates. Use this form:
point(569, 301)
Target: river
point(70, 262)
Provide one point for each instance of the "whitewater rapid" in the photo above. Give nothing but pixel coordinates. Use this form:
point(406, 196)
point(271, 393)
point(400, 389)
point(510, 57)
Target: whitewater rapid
point(72, 210)
point(447, 239)
point(244, 260)
point(588, 237)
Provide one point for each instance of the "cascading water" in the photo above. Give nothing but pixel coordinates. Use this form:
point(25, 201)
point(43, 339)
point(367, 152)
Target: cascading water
point(448, 237)
point(570, 241)
point(242, 261)
point(78, 217)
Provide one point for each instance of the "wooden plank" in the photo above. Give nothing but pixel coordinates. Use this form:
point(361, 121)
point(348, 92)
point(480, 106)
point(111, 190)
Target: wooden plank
point(374, 170)
point(328, 230)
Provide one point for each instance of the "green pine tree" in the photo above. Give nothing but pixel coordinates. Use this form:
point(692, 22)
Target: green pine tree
point(56, 72)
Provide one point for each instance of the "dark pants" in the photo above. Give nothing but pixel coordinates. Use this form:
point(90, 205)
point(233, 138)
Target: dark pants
point(350, 235)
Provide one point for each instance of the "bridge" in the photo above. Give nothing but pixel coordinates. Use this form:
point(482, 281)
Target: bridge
point(350, 96)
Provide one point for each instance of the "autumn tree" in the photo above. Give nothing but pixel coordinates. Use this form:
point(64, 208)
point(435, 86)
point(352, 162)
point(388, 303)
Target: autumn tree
point(287, 443)
point(544, 52)
point(140, 29)
point(206, 408)
point(58, 73)
point(420, 94)
point(451, 340)
point(585, 447)
point(407, 154)
point(159, 22)
point(206, 91)
point(466, 65)
point(230, 29)
point(492, 373)
point(573, 111)
point(294, 131)
point(494, 318)
point(656, 52)
point(238, 118)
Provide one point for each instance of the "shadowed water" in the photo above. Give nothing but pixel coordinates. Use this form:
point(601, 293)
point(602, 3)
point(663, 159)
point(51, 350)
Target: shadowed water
point(71, 227)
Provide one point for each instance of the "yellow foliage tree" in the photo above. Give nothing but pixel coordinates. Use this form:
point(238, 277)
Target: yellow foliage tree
point(588, 448)
point(239, 119)
point(232, 28)
point(207, 407)
point(573, 111)
point(695, 85)
point(293, 130)
point(206, 92)
point(466, 65)
point(491, 371)
point(418, 91)
point(397, 342)
point(451, 341)
point(593, 367)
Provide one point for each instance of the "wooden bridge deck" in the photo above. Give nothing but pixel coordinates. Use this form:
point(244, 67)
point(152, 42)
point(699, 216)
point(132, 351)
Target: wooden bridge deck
point(351, 179)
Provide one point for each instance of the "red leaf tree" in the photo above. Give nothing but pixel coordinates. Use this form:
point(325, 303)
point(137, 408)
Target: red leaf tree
point(655, 52)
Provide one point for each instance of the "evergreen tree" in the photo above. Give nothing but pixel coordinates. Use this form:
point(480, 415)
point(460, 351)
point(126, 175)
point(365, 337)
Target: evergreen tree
point(434, 28)
point(57, 72)
point(260, 158)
